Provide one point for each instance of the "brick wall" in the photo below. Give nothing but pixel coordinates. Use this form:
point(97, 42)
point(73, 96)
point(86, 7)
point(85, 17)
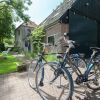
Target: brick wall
point(57, 30)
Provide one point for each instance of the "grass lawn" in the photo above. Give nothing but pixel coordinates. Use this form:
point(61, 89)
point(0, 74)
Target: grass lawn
point(8, 64)
point(51, 58)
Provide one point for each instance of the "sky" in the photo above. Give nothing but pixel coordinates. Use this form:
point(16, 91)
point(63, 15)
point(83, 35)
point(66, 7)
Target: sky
point(40, 9)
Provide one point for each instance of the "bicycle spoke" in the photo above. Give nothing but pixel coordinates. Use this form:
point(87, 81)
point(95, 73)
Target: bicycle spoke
point(58, 89)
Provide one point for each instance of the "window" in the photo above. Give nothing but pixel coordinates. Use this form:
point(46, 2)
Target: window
point(51, 40)
point(29, 30)
point(18, 32)
point(28, 33)
point(26, 43)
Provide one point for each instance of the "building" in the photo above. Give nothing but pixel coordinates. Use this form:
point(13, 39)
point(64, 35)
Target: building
point(22, 34)
point(84, 21)
point(81, 18)
point(55, 24)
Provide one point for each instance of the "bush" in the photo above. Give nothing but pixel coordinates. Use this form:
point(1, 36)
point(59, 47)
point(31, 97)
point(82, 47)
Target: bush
point(30, 55)
point(8, 41)
point(22, 67)
point(17, 49)
point(2, 47)
point(38, 36)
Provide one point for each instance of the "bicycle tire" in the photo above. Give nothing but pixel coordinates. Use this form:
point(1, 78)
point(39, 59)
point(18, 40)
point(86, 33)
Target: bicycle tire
point(94, 76)
point(45, 92)
point(80, 63)
point(32, 73)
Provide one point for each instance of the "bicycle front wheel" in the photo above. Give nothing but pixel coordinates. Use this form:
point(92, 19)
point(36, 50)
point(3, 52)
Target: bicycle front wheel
point(54, 83)
point(94, 77)
point(32, 69)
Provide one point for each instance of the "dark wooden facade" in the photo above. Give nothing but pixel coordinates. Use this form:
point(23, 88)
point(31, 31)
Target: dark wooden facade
point(84, 23)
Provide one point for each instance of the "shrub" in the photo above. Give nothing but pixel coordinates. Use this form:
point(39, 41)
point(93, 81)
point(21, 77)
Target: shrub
point(22, 67)
point(2, 47)
point(17, 49)
point(38, 36)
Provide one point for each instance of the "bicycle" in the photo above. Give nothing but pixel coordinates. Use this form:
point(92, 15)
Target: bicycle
point(51, 71)
point(34, 65)
point(77, 58)
point(63, 71)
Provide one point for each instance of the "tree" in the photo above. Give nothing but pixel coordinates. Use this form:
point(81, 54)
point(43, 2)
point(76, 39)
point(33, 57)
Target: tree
point(11, 11)
point(6, 24)
point(38, 36)
point(17, 7)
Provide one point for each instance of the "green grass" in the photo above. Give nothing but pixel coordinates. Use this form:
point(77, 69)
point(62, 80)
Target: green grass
point(51, 57)
point(8, 64)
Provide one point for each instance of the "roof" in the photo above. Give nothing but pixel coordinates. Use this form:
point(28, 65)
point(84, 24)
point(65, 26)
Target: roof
point(28, 24)
point(58, 12)
point(89, 8)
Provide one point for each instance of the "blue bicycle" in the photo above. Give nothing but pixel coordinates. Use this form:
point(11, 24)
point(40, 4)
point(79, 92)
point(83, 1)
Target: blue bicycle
point(58, 77)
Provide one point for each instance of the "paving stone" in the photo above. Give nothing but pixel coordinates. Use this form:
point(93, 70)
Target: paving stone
point(15, 86)
point(5, 97)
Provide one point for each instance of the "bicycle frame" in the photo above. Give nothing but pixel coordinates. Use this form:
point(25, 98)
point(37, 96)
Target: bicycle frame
point(67, 60)
point(40, 60)
point(89, 65)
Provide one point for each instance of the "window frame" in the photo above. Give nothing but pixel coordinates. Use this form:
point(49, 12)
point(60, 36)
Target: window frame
point(51, 36)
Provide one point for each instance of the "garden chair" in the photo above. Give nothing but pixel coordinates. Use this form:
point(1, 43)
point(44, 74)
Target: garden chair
point(4, 53)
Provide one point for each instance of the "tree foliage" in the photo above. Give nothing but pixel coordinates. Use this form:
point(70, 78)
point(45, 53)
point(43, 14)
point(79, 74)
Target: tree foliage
point(6, 23)
point(38, 36)
point(17, 7)
point(11, 11)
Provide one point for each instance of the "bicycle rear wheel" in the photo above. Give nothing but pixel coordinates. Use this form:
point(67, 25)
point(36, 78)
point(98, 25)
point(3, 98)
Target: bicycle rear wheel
point(80, 63)
point(59, 89)
point(94, 77)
